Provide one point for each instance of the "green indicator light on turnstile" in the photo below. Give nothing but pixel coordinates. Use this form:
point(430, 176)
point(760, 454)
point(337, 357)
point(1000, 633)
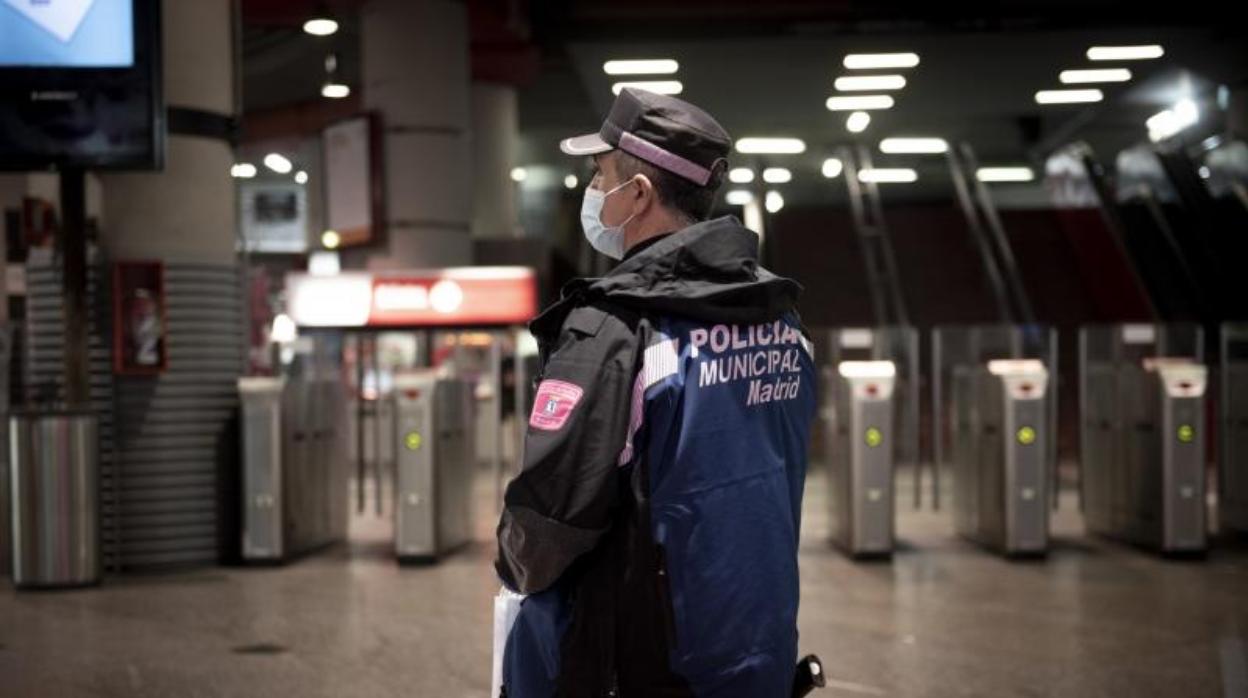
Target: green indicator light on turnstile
point(1026, 436)
point(1187, 433)
point(412, 441)
point(874, 437)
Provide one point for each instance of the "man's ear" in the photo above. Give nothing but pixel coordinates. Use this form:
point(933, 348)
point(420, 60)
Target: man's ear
point(645, 191)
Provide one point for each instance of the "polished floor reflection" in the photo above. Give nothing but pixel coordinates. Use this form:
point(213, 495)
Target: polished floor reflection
point(941, 619)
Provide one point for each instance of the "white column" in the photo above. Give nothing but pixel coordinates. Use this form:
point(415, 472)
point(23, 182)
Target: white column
point(187, 212)
point(416, 75)
point(754, 217)
point(495, 127)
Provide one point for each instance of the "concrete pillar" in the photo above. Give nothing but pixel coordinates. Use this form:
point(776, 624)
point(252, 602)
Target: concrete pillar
point(188, 211)
point(495, 128)
point(416, 75)
point(754, 217)
point(12, 189)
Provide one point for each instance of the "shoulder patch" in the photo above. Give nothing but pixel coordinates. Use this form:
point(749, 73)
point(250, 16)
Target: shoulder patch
point(553, 404)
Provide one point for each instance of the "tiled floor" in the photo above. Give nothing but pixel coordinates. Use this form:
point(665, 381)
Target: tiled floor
point(941, 619)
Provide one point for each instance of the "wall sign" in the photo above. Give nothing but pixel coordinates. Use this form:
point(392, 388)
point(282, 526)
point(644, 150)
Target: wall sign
point(274, 216)
point(353, 182)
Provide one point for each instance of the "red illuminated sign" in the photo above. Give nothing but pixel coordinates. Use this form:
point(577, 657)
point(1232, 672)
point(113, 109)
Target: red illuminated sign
point(453, 300)
point(464, 296)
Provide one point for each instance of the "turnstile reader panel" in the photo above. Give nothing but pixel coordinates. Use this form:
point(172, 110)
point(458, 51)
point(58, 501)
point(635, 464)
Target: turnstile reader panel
point(433, 487)
point(1183, 388)
point(862, 464)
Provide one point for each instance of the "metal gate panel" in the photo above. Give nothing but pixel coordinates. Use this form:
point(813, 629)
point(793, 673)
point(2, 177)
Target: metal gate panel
point(166, 441)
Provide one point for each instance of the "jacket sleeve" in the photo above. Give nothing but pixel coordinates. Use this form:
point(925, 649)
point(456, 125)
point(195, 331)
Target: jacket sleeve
point(562, 501)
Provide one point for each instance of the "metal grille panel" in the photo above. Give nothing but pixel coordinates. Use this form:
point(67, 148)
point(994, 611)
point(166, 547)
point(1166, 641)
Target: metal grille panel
point(167, 440)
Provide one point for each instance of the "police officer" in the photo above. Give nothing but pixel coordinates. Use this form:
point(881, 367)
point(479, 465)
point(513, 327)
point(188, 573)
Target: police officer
point(655, 522)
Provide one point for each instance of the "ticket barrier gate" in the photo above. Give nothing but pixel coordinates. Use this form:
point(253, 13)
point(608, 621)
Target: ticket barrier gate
point(861, 434)
point(435, 461)
point(1001, 464)
point(1233, 455)
point(294, 466)
point(1144, 452)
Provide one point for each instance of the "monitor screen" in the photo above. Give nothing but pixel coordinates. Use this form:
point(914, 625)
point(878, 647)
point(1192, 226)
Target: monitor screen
point(67, 33)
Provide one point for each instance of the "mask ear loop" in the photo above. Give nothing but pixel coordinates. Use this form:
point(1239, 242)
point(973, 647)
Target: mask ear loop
point(634, 180)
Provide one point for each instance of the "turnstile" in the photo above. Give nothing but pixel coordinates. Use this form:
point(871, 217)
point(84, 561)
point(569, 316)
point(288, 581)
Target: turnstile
point(1001, 463)
point(435, 462)
point(1143, 450)
point(294, 466)
point(861, 435)
point(1233, 455)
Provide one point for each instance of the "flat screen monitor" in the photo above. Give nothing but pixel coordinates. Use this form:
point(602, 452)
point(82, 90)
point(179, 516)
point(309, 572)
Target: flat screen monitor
point(80, 85)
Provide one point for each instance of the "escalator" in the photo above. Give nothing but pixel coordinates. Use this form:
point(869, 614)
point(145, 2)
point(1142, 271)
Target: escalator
point(1178, 241)
point(1150, 242)
point(1105, 263)
point(1213, 186)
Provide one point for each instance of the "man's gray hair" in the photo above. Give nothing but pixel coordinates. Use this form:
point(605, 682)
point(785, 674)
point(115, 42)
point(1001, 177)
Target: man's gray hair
point(688, 200)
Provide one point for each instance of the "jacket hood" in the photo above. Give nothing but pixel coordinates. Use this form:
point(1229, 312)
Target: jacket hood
point(708, 271)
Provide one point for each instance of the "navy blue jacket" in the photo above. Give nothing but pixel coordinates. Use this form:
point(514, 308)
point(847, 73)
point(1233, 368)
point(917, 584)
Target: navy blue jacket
point(655, 521)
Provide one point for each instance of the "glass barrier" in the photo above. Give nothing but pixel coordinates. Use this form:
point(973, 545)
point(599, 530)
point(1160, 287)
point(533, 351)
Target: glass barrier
point(1233, 424)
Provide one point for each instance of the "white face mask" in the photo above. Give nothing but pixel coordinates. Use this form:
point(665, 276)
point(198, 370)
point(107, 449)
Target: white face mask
point(608, 240)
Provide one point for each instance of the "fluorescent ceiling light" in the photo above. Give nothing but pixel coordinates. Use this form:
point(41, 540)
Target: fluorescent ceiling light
point(1079, 77)
point(868, 61)
point(662, 87)
point(335, 90)
point(1005, 174)
point(1165, 124)
point(869, 83)
point(774, 202)
point(646, 66)
point(771, 146)
point(858, 122)
point(902, 175)
point(570, 181)
point(859, 102)
point(914, 146)
point(243, 170)
point(301, 177)
point(739, 197)
point(777, 175)
point(1068, 96)
point(1125, 53)
point(320, 26)
point(741, 175)
point(832, 168)
point(519, 174)
point(278, 163)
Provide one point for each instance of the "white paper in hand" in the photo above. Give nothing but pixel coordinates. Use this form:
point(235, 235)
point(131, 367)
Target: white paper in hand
point(506, 608)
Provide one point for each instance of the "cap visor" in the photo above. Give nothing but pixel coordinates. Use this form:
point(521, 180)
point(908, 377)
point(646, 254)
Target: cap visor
point(589, 144)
